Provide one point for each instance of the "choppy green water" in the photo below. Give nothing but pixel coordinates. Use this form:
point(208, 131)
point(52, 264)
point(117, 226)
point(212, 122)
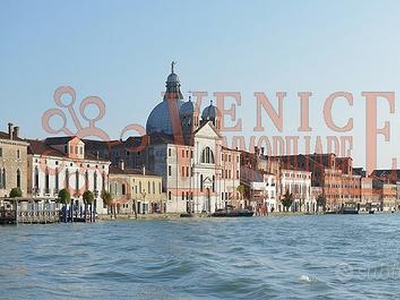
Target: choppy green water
point(299, 257)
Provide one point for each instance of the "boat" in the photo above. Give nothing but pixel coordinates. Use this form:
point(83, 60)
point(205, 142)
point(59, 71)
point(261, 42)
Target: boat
point(346, 209)
point(186, 215)
point(232, 213)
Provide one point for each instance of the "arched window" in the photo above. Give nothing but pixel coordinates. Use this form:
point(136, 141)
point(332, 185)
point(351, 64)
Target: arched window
point(18, 178)
point(57, 180)
point(207, 156)
point(95, 180)
point(123, 189)
point(4, 179)
point(36, 182)
point(47, 180)
point(87, 180)
point(66, 178)
point(76, 180)
point(103, 181)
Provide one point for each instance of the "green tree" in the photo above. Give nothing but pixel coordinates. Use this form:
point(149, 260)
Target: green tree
point(321, 201)
point(88, 199)
point(287, 200)
point(15, 192)
point(64, 196)
point(107, 199)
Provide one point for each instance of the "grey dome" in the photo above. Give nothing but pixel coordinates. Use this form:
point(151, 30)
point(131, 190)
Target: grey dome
point(172, 78)
point(160, 121)
point(210, 113)
point(187, 108)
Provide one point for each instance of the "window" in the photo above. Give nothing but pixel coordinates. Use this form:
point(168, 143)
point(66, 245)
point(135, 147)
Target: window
point(187, 171)
point(4, 179)
point(140, 187)
point(18, 154)
point(169, 196)
point(201, 183)
point(207, 156)
point(187, 153)
point(86, 180)
point(57, 180)
point(169, 152)
point(36, 180)
point(95, 181)
point(18, 178)
point(66, 178)
point(76, 180)
point(169, 171)
point(123, 189)
point(183, 171)
point(47, 181)
point(237, 174)
point(154, 187)
point(213, 183)
point(183, 195)
point(148, 187)
point(183, 153)
point(103, 181)
point(1, 152)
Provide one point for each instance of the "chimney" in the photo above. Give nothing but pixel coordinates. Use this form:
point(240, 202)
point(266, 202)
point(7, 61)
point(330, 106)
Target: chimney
point(144, 170)
point(15, 132)
point(122, 164)
point(10, 129)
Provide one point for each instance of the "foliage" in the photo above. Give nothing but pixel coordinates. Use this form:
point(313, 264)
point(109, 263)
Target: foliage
point(287, 200)
point(88, 197)
point(106, 196)
point(15, 192)
point(64, 196)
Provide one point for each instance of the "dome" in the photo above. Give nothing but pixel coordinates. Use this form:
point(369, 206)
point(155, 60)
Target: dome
point(210, 113)
point(160, 121)
point(173, 78)
point(187, 108)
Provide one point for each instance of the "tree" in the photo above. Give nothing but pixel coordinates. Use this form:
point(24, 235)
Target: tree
point(321, 201)
point(287, 200)
point(88, 199)
point(107, 198)
point(243, 191)
point(15, 192)
point(64, 196)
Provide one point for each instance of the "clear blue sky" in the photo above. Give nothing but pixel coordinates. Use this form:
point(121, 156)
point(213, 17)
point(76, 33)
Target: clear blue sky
point(121, 51)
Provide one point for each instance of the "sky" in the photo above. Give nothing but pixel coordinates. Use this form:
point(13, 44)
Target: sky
point(120, 51)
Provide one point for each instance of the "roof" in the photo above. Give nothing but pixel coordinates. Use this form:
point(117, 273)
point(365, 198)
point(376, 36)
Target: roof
point(5, 136)
point(58, 140)
point(117, 170)
point(41, 148)
point(386, 175)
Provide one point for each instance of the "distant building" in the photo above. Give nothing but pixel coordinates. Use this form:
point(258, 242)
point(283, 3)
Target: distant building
point(136, 191)
point(298, 183)
point(13, 161)
point(61, 162)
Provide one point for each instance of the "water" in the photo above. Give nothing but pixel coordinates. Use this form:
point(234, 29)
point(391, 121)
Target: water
point(296, 257)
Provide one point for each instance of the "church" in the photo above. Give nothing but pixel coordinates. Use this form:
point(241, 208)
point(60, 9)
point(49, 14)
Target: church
point(199, 173)
point(184, 147)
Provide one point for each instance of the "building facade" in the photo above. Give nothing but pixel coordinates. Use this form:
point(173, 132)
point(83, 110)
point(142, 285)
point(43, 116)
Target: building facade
point(13, 162)
point(136, 191)
point(61, 162)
